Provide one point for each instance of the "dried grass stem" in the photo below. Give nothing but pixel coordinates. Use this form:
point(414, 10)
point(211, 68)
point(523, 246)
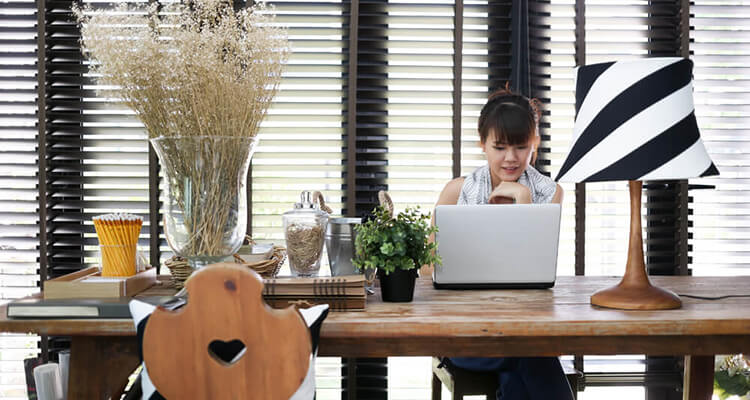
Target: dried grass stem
point(191, 71)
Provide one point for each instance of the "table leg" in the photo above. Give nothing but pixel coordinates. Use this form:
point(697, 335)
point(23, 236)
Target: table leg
point(100, 366)
point(699, 378)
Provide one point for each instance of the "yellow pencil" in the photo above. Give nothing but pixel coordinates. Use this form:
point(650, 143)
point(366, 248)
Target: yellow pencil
point(118, 236)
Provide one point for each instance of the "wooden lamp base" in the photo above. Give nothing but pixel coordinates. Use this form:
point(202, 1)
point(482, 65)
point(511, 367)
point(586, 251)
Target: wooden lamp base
point(635, 291)
point(646, 297)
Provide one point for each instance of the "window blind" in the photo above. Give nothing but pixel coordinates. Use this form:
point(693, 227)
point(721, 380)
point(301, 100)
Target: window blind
point(18, 194)
point(422, 76)
point(96, 149)
point(486, 68)
point(301, 139)
point(419, 100)
point(553, 58)
point(98, 156)
point(18, 181)
point(607, 205)
point(367, 104)
point(720, 46)
point(621, 30)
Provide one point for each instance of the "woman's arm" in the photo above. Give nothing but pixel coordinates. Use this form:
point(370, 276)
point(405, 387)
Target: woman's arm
point(514, 192)
point(449, 196)
point(450, 193)
point(510, 192)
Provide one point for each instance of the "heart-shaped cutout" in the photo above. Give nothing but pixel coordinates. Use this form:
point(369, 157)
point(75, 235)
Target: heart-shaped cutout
point(226, 353)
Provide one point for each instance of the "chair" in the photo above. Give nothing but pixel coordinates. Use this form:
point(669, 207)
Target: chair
point(227, 343)
point(461, 382)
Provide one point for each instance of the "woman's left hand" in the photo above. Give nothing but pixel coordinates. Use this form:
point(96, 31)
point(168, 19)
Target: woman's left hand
point(510, 192)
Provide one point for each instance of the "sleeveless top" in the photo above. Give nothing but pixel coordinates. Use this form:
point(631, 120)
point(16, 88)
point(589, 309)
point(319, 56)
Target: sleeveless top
point(478, 186)
point(312, 316)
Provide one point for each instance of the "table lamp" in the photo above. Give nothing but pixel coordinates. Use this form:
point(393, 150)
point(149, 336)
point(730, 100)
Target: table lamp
point(635, 120)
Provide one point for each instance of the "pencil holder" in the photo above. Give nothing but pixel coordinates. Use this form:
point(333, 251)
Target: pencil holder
point(118, 259)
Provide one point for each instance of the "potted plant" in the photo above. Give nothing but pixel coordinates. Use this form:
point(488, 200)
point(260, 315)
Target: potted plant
point(732, 376)
point(397, 247)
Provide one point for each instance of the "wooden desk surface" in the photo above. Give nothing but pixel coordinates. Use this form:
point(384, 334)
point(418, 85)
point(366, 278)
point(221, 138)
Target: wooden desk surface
point(509, 322)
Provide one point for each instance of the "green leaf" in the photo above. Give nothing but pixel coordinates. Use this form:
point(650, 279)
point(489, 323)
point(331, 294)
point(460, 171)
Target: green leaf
point(737, 384)
point(387, 248)
point(400, 242)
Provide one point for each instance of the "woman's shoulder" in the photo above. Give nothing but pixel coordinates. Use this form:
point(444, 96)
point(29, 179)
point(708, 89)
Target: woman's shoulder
point(451, 191)
point(478, 173)
point(464, 189)
point(543, 187)
point(538, 179)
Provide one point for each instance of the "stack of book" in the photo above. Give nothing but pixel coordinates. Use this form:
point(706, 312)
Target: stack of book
point(340, 292)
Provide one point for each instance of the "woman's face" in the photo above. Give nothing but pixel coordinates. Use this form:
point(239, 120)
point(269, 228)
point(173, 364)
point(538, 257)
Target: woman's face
point(507, 162)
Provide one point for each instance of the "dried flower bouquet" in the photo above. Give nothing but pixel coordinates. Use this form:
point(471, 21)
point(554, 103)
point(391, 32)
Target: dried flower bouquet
point(190, 71)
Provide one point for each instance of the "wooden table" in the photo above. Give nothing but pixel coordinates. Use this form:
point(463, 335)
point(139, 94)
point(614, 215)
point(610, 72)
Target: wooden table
point(471, 323)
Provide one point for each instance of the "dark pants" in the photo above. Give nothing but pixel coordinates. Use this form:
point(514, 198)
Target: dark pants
point(523, 378)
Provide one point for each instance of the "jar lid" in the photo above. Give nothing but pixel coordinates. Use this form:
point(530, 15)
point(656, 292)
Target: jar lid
point(306, 201)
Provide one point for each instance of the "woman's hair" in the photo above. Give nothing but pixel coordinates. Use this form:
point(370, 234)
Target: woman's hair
point(512, 117)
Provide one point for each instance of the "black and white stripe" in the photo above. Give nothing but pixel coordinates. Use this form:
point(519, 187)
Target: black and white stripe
point(636, 120)
point(313, 316)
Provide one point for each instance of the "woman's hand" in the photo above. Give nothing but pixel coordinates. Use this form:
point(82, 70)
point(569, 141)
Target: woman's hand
point(510, 192)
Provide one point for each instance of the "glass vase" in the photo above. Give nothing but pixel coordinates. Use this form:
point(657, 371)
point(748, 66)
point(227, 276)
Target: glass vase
point(205, 201)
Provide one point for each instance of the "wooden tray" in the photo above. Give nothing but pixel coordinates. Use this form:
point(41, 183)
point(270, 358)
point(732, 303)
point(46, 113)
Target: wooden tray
point(89, 283)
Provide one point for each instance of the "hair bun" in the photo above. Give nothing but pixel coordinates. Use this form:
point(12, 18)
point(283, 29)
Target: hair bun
point(513, 117)
point(507, 94)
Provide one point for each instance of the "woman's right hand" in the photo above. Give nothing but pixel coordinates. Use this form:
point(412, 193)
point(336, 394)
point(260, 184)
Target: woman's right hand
point(509, 193)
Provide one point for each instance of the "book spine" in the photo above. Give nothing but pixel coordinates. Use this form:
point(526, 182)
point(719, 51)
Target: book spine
point(331, 291)
point(327, 290)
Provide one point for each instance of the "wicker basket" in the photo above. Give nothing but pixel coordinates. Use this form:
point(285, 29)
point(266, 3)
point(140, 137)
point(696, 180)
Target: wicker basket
point(266, 268)
point(181, 269)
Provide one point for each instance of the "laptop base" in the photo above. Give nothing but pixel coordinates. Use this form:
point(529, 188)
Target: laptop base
point(464, 286)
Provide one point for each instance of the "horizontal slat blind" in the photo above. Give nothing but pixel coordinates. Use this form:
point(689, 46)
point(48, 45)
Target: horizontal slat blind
point(97, 150)
point(665, 206)
point(369, 112)
point(420, 75)
point(301, 139)
point(18, 168)
point(18, 181)
point(621, 30)
point(552, 50)
point(486, 67)
point(720, 43)
point(615, 30)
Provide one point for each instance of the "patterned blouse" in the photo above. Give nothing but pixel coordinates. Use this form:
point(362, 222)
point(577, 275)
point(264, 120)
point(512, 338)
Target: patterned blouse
point(478, 186)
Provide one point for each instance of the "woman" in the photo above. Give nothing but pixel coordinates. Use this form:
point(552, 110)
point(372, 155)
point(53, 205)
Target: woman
point(509, 136)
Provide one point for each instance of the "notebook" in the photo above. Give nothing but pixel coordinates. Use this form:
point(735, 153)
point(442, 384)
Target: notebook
point(339, 292)
point(497, 246)
point(106, 307)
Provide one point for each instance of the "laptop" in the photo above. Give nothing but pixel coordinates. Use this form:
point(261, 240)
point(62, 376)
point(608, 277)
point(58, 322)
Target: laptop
point(497, 246)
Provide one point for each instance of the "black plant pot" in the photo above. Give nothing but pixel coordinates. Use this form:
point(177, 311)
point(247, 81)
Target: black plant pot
point(398, 286)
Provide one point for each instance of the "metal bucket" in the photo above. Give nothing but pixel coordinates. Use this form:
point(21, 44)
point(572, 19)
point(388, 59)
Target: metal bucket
point(340, 244)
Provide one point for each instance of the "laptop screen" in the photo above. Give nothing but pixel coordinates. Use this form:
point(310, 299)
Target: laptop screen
point(497, 246)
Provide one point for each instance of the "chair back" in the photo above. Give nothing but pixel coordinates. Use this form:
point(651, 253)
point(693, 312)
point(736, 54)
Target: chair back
point(226, 343)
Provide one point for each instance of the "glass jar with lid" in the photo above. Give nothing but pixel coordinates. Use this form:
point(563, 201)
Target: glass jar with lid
point(304, 231)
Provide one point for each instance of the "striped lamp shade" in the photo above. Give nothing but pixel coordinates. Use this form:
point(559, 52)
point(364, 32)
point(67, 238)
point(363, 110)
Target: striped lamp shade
point(635, 120)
